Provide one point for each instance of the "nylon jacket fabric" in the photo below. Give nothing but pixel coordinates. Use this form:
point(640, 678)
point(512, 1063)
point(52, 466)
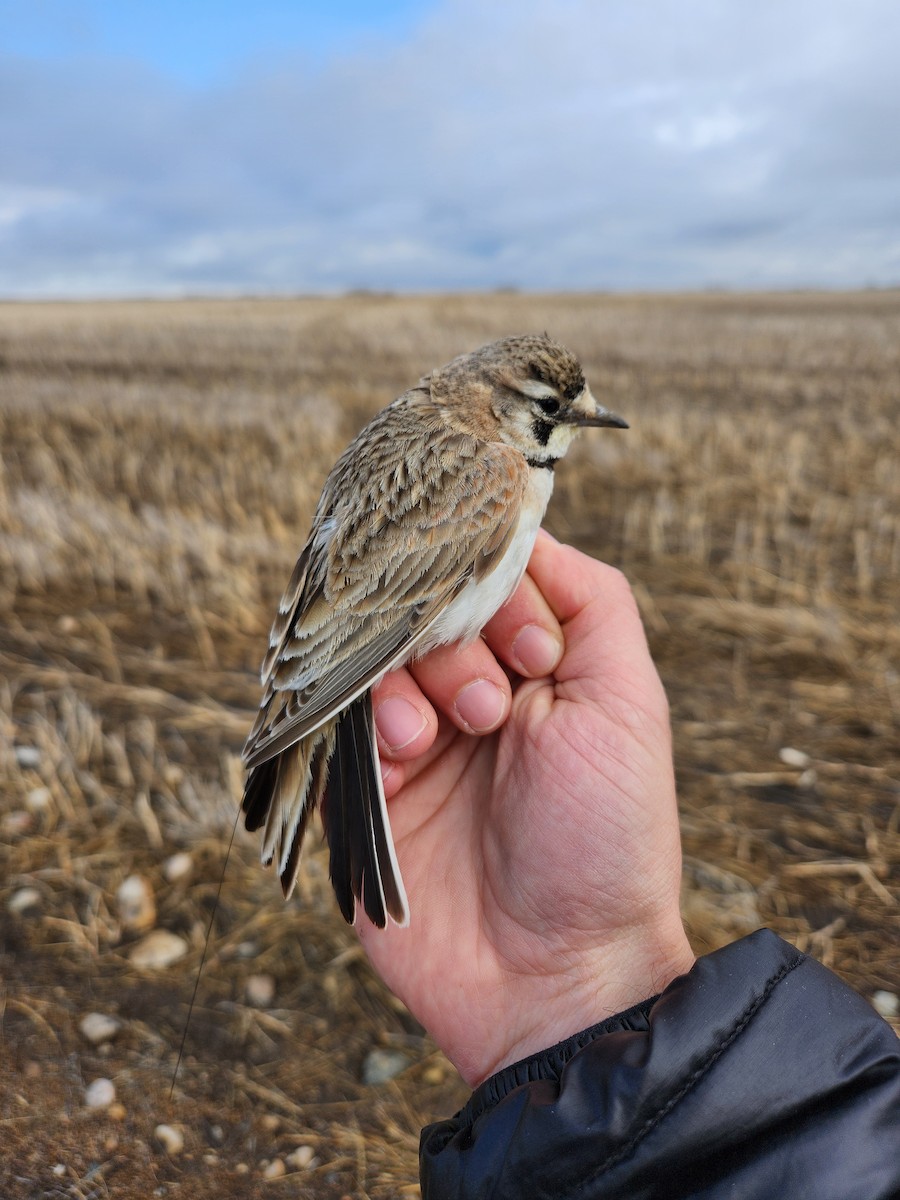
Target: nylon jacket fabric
point(759, 1074)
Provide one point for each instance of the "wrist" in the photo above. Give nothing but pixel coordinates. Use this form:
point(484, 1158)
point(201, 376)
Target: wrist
point(540, 1011)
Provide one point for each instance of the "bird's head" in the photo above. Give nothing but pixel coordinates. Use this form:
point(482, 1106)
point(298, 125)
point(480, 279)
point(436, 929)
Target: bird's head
point(535, 390)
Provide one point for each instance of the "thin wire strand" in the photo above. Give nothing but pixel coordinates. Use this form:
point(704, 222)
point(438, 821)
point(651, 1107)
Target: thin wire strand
point(212, 918)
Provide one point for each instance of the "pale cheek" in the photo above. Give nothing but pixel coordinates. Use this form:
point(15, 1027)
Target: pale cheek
point(561, 439)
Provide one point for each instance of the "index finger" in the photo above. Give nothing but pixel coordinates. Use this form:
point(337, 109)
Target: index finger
point(606, 646)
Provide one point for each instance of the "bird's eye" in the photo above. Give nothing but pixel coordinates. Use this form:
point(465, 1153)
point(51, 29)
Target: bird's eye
point(549, 405)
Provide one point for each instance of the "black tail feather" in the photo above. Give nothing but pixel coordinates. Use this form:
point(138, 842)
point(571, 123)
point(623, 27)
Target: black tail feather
point(258, 792)
point(363, 867)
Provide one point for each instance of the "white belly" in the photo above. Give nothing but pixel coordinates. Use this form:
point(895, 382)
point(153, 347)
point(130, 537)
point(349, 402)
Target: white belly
point(466, 616)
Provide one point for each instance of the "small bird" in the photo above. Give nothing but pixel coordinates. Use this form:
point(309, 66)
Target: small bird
point(423, 530)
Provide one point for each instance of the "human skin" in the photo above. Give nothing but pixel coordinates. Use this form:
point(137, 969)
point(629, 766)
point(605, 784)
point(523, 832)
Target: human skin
point(532, 798)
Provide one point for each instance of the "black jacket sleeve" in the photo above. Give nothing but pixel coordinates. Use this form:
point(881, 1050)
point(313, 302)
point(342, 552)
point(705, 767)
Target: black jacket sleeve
point(756, 1075)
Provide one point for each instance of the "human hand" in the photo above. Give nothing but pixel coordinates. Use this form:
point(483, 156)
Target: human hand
point(535, 823)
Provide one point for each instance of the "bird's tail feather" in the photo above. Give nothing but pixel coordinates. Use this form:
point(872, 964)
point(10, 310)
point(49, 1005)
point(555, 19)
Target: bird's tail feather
point(281, 793)
point(279, 796)
point(258, 794)
point(363, 861)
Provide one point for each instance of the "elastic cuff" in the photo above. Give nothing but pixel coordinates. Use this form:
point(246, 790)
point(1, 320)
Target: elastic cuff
point(549, 1063)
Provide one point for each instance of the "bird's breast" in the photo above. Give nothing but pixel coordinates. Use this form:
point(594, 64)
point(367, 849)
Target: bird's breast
point(465, 617)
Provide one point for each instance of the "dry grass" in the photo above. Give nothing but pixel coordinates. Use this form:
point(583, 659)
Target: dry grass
point(159, 464)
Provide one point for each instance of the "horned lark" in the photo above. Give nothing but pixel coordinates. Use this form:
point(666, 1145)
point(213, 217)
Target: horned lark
point(422, 532)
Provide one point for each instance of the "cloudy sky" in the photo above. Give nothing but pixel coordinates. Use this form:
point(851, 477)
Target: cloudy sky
point(293, 145)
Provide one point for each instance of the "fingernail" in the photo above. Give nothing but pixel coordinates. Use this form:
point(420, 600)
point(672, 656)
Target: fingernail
point(536, 651)
point(481, 705)
point(399, 722)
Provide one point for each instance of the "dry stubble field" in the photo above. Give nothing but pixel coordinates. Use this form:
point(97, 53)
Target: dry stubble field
point(159, 465)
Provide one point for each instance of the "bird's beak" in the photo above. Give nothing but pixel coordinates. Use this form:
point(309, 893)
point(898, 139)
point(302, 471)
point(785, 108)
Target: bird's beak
point(602, 417)
point(586, 412)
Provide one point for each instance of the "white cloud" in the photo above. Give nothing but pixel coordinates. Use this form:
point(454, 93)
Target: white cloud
point(18, 202)
point(701, 131)
point(550, 143)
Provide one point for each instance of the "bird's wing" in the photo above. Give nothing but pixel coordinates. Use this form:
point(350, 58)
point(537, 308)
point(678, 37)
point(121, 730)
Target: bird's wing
point(377, 572)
